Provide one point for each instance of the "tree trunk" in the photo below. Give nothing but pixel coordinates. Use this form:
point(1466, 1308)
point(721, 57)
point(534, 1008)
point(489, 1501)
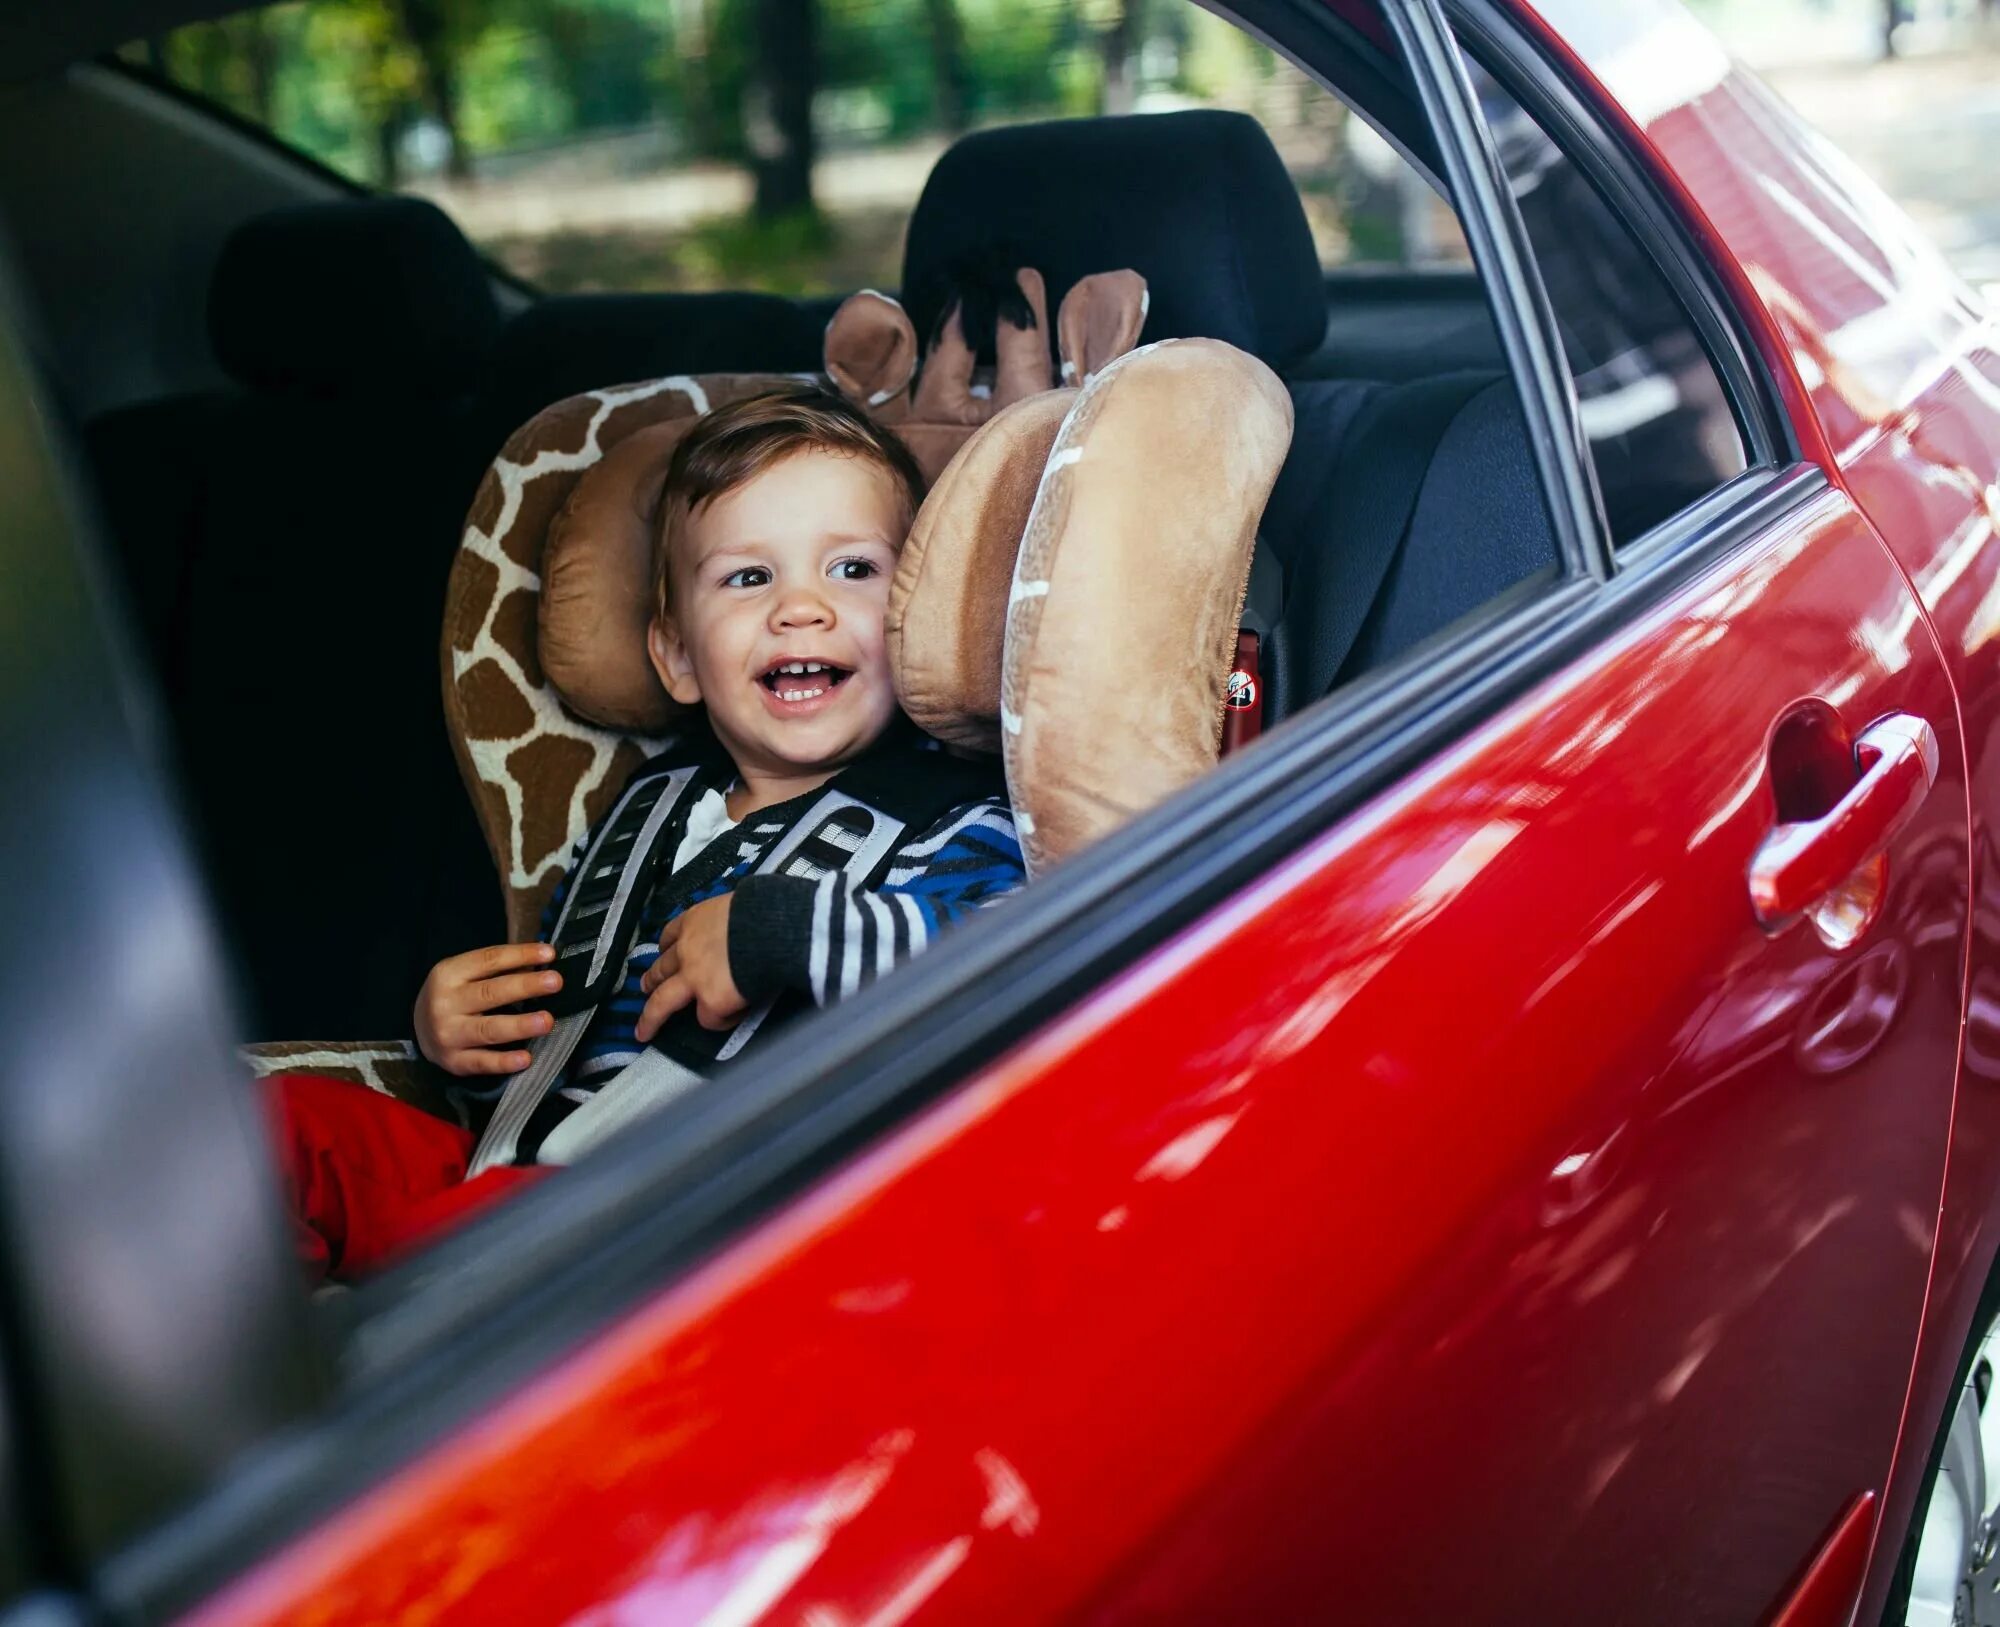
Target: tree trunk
point(1115, 46)
point(260, 59)
point(779, 123)
point(951, 89)
point(424, 26)
point(388, 141)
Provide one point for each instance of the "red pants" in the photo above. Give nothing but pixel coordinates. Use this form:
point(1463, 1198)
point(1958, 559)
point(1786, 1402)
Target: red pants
point(368, 1176)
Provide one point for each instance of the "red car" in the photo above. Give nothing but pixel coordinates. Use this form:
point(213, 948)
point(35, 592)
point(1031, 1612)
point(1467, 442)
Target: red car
point(1519, 1143)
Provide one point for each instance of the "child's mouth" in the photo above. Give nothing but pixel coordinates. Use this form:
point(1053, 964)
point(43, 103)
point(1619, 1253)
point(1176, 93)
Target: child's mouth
point(796, 683)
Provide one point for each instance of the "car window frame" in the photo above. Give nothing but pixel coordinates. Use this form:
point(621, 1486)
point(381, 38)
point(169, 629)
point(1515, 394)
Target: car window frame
point(1542, 83)
point(485, 1309)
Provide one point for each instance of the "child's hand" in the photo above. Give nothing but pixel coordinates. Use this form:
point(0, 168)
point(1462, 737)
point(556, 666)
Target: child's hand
point(453, 1028)
point(693, 969)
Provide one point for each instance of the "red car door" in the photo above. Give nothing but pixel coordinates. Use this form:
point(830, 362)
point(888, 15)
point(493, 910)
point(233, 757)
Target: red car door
point(1484, 1200)
point(1515, 1201)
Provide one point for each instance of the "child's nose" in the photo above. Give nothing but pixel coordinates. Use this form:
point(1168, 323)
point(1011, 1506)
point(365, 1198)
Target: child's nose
point(802, 607)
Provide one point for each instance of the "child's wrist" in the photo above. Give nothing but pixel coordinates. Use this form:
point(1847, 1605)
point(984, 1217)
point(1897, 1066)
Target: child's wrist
point(770, 932)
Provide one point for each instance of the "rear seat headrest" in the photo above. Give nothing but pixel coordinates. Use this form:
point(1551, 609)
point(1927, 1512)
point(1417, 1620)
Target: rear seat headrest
point(350, 297)
point(1198, 203)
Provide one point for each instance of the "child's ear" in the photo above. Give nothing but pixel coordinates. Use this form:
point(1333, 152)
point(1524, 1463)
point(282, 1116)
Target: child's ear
point(670, 661)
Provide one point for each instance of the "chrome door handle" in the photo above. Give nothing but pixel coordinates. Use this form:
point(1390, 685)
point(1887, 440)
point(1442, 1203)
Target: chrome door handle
point(1797, 863)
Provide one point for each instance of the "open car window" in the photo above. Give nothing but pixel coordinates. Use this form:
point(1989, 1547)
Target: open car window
point(635, 146)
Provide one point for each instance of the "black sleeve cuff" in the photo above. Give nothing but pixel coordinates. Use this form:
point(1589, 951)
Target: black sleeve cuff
point(770, 936)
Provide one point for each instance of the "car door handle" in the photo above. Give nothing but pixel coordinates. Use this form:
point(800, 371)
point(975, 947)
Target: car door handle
point(1799, 862)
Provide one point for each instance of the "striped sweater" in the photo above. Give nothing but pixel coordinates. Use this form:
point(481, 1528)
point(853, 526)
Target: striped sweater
point(807, 934)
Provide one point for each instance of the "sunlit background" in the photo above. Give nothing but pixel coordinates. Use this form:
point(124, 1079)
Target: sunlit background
point(657, 144)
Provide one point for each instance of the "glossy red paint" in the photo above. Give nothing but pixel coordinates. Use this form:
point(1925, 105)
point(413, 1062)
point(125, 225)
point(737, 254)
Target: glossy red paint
point(1825, 1594)
point(1532, 1223)
point(1207, 1301)
point(1900, 370)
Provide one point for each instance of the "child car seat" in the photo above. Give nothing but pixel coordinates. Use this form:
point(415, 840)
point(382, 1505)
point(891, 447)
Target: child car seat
point(551, 703)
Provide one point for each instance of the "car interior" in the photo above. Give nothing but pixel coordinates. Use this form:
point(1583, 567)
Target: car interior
point(287, 388)
point(277, 396)
point(297, 514)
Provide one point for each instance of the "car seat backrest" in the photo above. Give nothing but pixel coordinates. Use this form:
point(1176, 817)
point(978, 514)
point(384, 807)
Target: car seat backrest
point(325, 493)
point(1423, 506)
point(563, 345)
point(1198, 203)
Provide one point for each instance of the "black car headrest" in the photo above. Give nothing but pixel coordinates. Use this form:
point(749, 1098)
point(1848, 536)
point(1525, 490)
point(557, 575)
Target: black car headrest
point(569, 343)
point(358, 295)
point(1198, 203)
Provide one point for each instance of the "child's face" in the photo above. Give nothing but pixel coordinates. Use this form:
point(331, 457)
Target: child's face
point(790, 568)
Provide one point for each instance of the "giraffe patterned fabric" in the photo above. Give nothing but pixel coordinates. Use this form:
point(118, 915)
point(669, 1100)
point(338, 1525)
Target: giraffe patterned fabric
point(539, 774)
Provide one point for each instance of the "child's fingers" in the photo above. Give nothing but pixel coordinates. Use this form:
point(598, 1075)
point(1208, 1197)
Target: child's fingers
point(466, 1064)
point(661, 1004)
point(504, 991)
point(670, 934)
point(662, 969)
point(501, 957)
point(500, 1030)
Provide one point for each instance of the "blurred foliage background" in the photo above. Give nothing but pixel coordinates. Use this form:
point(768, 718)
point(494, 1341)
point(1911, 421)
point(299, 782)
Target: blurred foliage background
point(780, 143)
point(749, 143)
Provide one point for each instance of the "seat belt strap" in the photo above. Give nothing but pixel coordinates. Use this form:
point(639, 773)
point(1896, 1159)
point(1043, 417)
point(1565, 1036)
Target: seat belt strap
point(592, 937)
point(600, 920)
point(1382, 470)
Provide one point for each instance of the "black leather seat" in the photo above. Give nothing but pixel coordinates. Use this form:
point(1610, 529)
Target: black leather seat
point(287, 543)
point(1201, 205)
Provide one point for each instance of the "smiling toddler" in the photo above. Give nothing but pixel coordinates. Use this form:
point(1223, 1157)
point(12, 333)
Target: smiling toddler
point(817, 838)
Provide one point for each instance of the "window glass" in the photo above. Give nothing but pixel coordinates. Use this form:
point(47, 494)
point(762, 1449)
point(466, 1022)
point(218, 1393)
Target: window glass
point(640, 144)
point(1660, 427)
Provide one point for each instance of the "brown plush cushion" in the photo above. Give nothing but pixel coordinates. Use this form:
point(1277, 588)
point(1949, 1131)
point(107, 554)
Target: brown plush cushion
point(948, 603)
point(1129, 584)
point(597, 598)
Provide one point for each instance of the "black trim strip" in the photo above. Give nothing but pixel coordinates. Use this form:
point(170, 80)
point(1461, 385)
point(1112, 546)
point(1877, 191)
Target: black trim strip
point(467, 1323)
point(1522, 314)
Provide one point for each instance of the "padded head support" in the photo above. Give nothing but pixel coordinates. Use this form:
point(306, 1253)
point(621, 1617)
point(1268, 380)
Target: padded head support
point(948, 603)
point(1198, 203)
point(1128, 586)
point(356, 296)
point(597, 570)
point(550, 699)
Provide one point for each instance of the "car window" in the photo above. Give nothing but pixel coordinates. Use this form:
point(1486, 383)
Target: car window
point(1659, 423)
point(632, 145)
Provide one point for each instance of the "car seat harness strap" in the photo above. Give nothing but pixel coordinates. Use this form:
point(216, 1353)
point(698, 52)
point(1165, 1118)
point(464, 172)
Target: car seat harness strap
point(594, 934)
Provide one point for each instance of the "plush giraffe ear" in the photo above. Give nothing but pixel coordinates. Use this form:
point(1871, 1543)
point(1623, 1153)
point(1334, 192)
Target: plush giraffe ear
point(871, 352)
point(1022, 354)
point(1100, 320)
point(944, 390)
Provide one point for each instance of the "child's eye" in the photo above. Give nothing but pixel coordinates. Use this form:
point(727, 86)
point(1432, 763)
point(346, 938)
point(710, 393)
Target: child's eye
point(853, 570)
point(750, 576)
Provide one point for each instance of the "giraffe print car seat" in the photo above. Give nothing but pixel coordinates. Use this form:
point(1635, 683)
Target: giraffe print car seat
point(1016, 618)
